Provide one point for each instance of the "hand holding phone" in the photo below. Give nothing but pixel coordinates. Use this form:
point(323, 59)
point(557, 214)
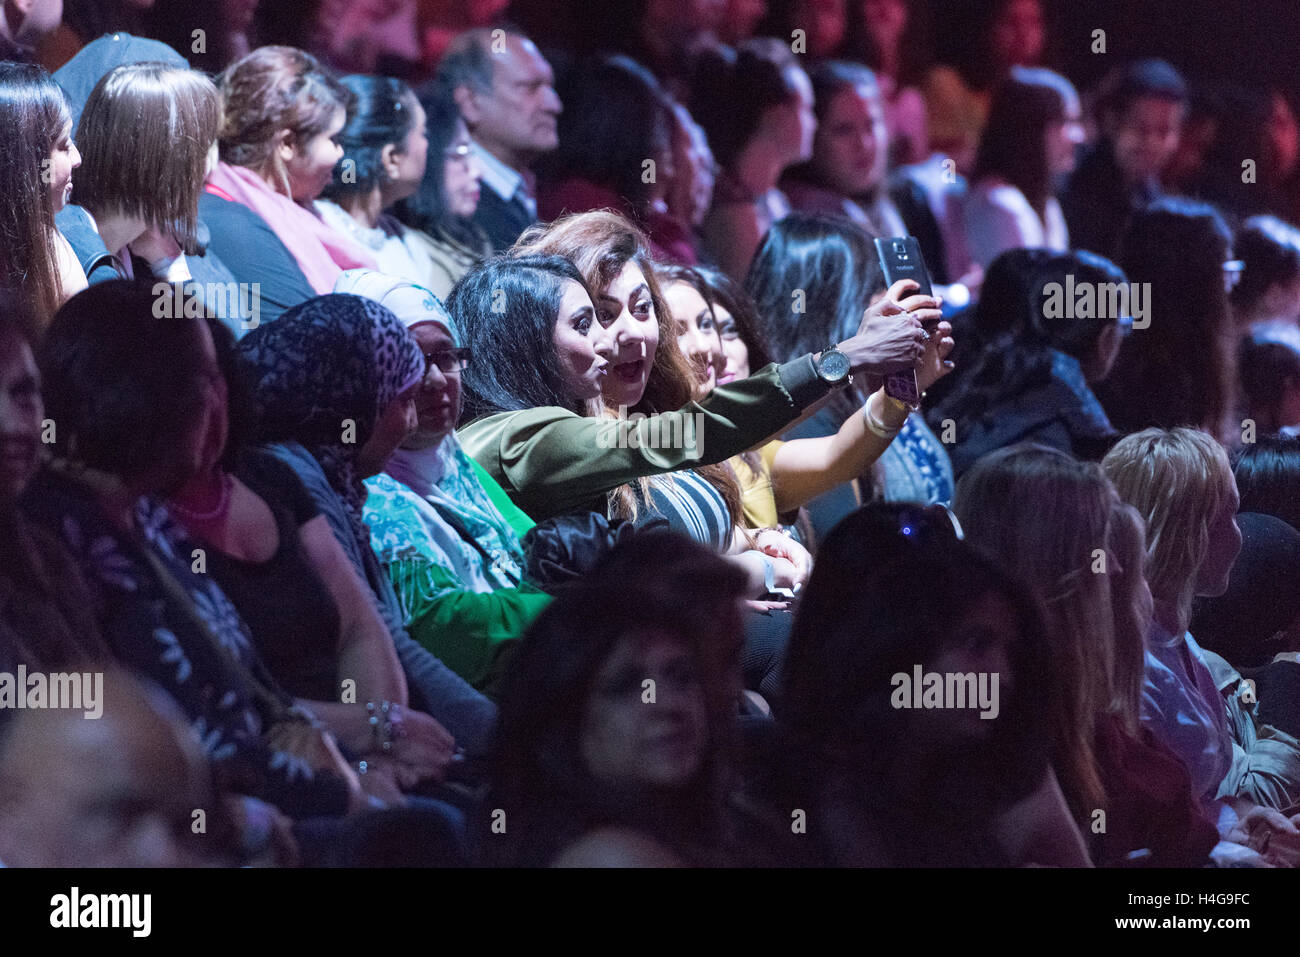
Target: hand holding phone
point(900, 258)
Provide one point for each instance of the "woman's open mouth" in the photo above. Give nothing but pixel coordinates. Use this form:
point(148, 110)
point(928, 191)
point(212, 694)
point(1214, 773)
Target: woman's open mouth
point(628, 372)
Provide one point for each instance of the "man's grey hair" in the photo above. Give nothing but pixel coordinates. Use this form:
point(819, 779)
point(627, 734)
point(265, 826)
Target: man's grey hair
point(468, 61)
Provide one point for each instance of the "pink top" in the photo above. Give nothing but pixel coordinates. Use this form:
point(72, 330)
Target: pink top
point(322, 253)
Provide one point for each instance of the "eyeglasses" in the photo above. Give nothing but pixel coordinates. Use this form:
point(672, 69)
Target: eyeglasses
point(448, 362)
point(1232, 270)
point(460, 153)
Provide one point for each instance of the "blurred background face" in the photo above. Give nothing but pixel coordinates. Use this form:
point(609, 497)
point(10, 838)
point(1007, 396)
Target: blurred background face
point(461, 171)
point(630, 742)
point(794, 123)
point(1283, 137)
point(311, 166)
point(825, 22)
point(694, 170)
point(1146, 136)
point(629, 335)
point(697, 334)
point(239, 14)
point(21, 412)
point(518, 118)
point(1018, 35)
point(851, 148)
point(33, 20)
point(438, 400)
point(740, 19)
point(734, 350)
point(1064, 137)
point(116, 791)
point(886, 20)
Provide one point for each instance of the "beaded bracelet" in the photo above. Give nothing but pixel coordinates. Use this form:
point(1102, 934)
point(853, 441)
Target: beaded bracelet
point(385, 719)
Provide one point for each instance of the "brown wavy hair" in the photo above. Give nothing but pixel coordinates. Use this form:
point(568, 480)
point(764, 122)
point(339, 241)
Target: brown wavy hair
point(600, 244)
point(273, 89)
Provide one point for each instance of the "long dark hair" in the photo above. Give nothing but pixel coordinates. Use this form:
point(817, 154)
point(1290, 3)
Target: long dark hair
point(1179, 371)
point(506, 312)
point(600, 243)
point(861, 621)
point(825, 265)
point(33, 117)
point(1013, 145)
point(1019, 360)
point(427, 209)
point(661, 583)
point(381, 114)
point(615, 118)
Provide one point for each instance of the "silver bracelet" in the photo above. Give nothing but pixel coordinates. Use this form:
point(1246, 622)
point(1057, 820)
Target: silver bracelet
point(876, 426)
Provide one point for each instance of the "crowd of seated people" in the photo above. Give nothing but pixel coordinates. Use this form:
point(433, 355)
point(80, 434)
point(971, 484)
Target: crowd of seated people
point(459, 437)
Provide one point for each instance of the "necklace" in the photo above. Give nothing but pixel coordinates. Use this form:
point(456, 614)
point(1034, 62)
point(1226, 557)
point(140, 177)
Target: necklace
point(207, 516)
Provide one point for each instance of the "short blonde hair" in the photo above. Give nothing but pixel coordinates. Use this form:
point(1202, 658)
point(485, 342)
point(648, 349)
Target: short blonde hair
point(1178, 480)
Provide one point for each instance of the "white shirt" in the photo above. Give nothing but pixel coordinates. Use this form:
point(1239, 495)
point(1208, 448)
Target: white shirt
point(393, 254)
point(504, 180)
point(998, 217)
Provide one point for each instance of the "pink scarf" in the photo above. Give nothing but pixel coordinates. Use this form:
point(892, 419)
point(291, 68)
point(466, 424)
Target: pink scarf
point(322, 252)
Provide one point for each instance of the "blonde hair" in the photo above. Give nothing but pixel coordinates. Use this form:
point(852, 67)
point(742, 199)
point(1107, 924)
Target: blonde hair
point(1178, 480)
point(1044, 516)
point(1127, 553)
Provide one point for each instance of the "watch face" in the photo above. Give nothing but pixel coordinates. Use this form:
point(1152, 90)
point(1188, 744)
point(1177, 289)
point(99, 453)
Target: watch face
point(833, 365)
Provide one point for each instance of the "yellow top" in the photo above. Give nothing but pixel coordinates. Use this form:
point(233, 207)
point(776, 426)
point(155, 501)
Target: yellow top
point(757, 499)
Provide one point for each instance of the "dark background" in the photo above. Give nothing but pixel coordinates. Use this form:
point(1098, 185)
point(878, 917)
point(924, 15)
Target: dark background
point(1255, 43)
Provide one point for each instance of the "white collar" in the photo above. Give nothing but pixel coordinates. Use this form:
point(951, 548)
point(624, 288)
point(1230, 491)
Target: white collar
point(504, 180)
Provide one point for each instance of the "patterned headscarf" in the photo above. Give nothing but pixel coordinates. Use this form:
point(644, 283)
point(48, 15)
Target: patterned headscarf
point(323, 373)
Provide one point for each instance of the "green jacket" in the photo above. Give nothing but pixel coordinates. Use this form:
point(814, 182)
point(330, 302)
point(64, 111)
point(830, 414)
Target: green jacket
point(551, 461)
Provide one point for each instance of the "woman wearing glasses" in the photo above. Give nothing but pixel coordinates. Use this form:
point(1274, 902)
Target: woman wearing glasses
point(439, 215)
point(446, 534)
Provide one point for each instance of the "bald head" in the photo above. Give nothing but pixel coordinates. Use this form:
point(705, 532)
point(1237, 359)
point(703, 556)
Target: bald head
point(117, 791)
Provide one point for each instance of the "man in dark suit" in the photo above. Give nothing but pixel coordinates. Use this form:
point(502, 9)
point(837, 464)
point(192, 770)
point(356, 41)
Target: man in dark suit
point(505, 90)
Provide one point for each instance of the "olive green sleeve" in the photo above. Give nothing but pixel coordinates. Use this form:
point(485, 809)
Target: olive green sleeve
point(551, 460)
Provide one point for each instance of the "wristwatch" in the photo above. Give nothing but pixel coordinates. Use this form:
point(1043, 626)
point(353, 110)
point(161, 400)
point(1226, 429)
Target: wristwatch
point(833, 367)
